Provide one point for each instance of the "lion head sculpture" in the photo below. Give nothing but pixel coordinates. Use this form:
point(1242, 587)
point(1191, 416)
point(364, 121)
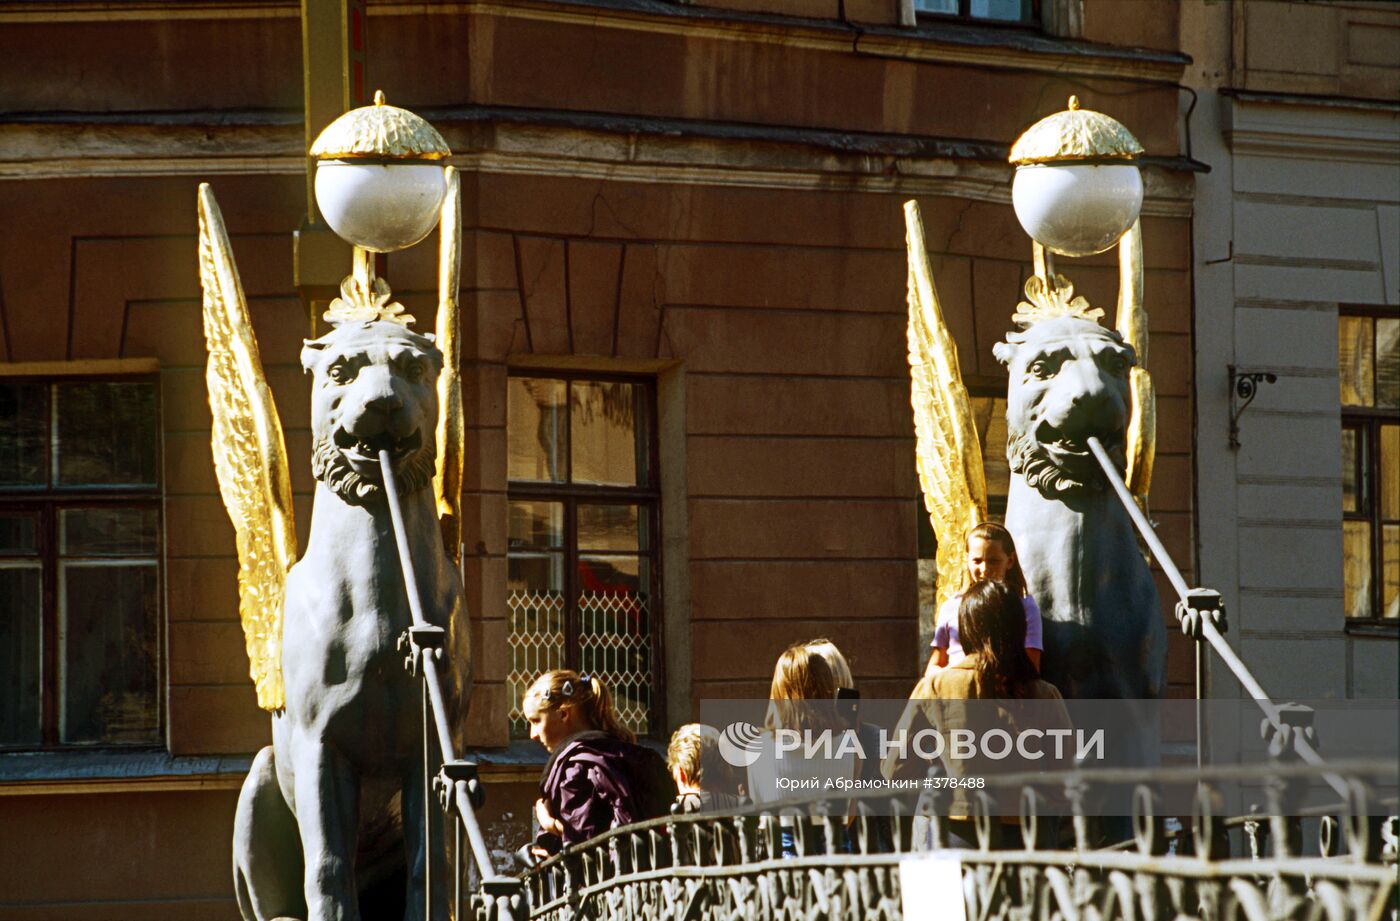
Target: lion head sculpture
point(373, 389)
point(1068, 381)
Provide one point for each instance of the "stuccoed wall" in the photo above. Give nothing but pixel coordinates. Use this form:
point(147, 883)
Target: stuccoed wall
point(1300, 213)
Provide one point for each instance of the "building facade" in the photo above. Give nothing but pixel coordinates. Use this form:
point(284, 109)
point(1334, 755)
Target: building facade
point(1297, 255)
point(689, 440)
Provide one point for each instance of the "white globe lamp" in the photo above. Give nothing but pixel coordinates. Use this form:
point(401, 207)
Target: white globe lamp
point(380, 177)
point(1077, 188)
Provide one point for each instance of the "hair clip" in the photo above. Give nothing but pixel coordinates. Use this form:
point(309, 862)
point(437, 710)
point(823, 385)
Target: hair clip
point(567, 689)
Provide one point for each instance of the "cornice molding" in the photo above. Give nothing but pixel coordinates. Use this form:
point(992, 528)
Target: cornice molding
point(49, 151)
point(1304, 128)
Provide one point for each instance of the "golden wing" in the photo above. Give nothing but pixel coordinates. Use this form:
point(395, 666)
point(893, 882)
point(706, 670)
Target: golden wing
point(451, 426)
point(949, 451)
point(1141, 446)
point(250, 457)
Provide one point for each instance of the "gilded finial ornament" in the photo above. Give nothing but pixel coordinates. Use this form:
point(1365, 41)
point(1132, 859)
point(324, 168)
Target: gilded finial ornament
point(1044, 302)
point(380, 132)
point(364, 300)
point(1075, 135)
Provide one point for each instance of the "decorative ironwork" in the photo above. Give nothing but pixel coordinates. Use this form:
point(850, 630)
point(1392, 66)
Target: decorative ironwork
point(736, 865)
point(615, 647)
point(1244, 387)
point(536, 644)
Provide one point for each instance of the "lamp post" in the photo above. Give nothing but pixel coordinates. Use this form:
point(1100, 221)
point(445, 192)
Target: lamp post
point(382, 184)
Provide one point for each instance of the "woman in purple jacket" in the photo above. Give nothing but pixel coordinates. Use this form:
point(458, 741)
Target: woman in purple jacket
point(596, 777)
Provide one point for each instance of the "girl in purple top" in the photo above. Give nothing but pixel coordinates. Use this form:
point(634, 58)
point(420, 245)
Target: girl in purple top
point(597, 777)
point(991, 556)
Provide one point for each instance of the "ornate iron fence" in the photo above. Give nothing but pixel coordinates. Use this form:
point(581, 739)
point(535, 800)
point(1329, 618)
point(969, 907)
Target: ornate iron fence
point(841, 861)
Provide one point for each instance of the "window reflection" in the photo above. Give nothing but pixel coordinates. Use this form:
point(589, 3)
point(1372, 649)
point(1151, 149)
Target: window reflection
point(535, 420)
point(1388, 363)
point(1356, 544)
point(1354, 360)
point(605, 434)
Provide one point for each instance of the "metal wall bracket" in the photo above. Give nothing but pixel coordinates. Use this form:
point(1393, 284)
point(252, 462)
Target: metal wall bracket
point(1244, 387)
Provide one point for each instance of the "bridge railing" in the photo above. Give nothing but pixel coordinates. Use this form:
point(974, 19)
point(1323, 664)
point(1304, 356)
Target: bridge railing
point(852, 856)
point(1201, 614)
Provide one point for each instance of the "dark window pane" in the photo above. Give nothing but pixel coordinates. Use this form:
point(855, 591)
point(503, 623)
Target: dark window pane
point(1391, 590)
point(1390, 472)
point(937, 6)
point(1352, 445)
point(107, 433)
point(24, 423)
point(1388, 363)
point(1356, 568)
point(19, 535)
point(535, 430)
point(611, 527)
point(1355, 360)
point(20, 654)
point(108, 653)
point(608, 434)
point(615, 632)
point(108, 532)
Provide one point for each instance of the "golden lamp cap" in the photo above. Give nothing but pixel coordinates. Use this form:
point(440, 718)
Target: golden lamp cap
point(1075, 135)
point(380, 132)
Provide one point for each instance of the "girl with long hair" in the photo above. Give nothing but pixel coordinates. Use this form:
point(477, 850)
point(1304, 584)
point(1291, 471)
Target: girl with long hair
point(994, 686)
point(991, 556)
point(596, 777)
point(802, 699)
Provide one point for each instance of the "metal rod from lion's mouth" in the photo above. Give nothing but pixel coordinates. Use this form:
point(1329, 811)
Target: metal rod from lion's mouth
point(371, 446)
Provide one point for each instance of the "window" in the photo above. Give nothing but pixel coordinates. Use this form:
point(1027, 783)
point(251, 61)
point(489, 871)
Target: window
point(583, 565)
point(1369, 363)
point(79, 563)
point(1024, 11)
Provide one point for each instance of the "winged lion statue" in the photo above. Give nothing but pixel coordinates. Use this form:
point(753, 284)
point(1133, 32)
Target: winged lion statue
point(322, 630)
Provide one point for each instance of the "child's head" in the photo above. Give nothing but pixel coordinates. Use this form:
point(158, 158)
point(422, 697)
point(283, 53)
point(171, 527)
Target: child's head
point(840, 668)
point(992, 626)
point(563, 702)
point(694, 759)
point(991, 556)
point(800, 675)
